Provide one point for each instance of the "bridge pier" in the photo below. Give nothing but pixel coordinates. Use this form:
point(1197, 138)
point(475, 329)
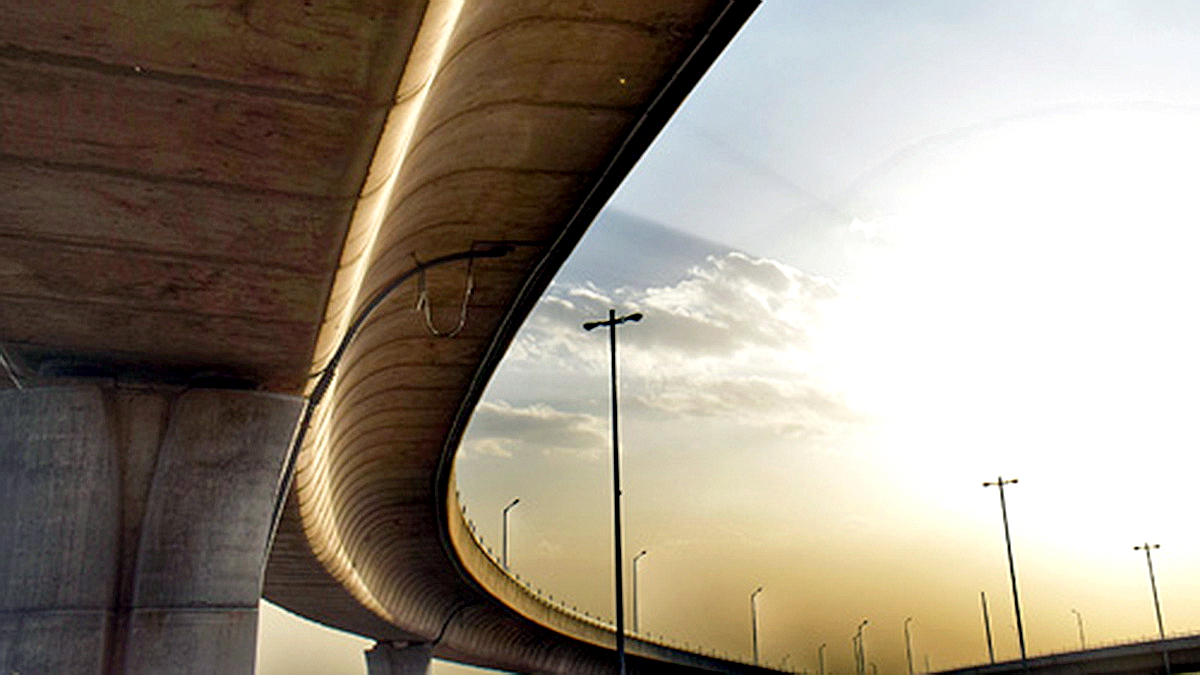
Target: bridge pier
point(134, 527)
point(387, 658)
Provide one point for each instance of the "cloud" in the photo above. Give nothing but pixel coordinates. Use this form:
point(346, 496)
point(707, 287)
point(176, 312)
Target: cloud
point(735, 338)
point(503, 430)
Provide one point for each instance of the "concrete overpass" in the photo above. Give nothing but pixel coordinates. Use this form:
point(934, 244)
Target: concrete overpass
point(1150, 657)
point(218, 220)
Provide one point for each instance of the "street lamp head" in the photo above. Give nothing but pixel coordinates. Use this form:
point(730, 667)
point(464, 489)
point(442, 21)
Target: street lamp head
point(592, 324)
point(635, 317)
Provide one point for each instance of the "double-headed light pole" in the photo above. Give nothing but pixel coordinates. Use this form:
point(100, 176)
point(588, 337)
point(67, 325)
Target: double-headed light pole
point(611, 323)
point(1153, 586)
point(1012, 568)
point(1162, 635)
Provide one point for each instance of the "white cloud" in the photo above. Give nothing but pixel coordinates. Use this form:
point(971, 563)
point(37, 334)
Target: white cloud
point(503, 430)
point(733, 339)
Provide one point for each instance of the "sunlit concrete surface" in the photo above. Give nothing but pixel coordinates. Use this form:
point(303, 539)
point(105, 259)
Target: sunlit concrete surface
point(203, 198)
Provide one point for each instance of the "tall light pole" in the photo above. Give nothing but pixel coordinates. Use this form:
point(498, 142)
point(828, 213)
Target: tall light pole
point(504, 529)
point(636, 558)
point(908, 645)
point(1079, 621)
point(1157, 608)
point(754, 620)
point(987, 627)
point(619, 587)
point(1012, 568)
point(821, 659)
point(1153, 586)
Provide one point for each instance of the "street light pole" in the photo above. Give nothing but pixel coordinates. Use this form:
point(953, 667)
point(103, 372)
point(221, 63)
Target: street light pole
point(1012, 568)
point(1079, 620)
point(821, 659)
point(861, 652)
point(754, 621)
point(636, 558)
point(1153, 586)
point(987, 627)
point(908, 645)
point(619, 588)
point(1157, 608)
point(504, 536)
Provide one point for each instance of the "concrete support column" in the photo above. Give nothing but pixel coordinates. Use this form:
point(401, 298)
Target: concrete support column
point(133, 528)
point(386, 658)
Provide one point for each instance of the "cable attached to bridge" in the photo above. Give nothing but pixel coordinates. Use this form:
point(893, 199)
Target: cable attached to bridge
point(424, 307)
point(490, 250)
point(9, 369)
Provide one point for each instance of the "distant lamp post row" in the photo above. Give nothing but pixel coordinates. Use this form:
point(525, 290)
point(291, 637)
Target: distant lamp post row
point(1012, 570)
point(504, 559)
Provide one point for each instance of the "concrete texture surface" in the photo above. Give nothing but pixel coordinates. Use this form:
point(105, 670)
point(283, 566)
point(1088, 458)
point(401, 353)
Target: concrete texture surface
point(211, 192)
point(134, 527)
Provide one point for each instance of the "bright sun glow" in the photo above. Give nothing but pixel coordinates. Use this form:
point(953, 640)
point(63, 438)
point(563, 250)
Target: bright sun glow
point(1031, 291)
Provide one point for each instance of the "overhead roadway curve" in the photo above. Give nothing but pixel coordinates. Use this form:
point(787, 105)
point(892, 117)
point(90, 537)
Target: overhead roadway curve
point(215, 191)
point(387, 535)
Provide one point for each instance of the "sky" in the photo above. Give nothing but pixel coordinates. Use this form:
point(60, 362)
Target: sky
point(885, 252)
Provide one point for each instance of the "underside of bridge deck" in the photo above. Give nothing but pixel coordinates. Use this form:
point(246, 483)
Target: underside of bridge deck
point(214, 196)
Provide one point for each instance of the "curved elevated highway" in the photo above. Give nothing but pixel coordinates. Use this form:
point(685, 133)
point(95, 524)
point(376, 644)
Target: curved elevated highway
point(223, 219)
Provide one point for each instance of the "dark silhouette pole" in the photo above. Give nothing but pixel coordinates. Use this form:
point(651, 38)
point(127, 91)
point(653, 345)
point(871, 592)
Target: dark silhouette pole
point(636, 558)
point(1012, 568)
point(1153, 587)
point(504, 536)
point(821, 659)
point(612, 323)
point(860, 652)
point(908, 645)
point(754, 621)
point(1162, 635)
point(987, 627)
point(1079, 620)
